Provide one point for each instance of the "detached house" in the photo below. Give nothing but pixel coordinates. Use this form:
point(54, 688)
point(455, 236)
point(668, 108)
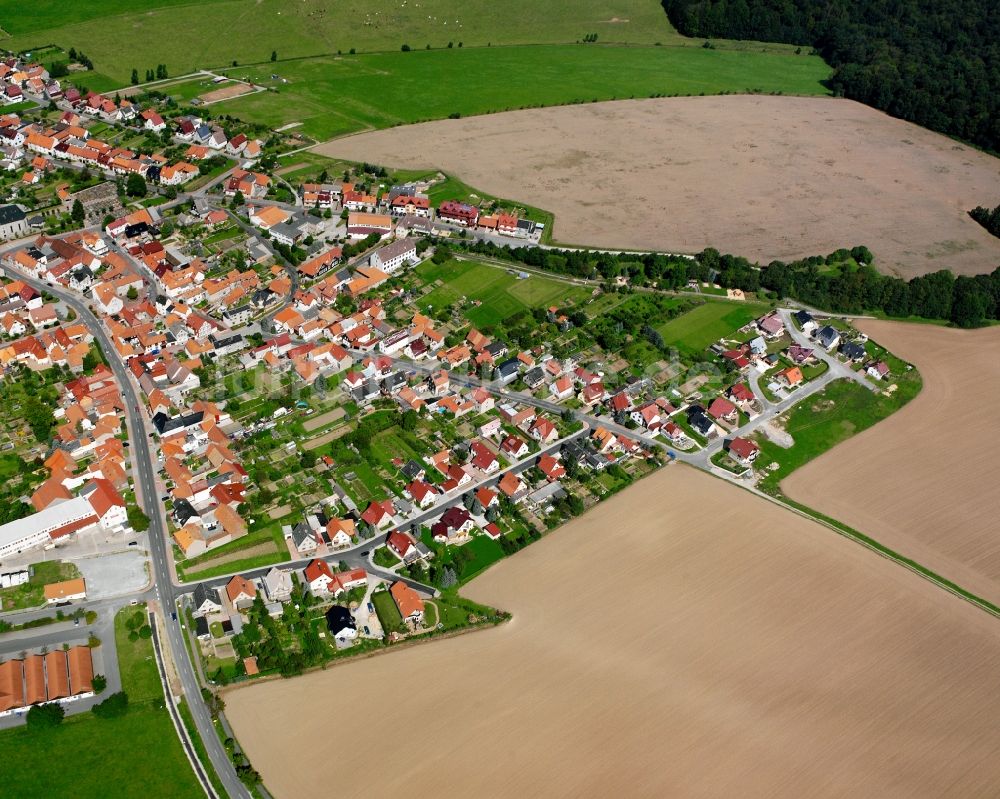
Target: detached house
point(878, 371)
point(454, 525)
point(402, 545)
point(409, 603)
point(722, 409)
point(241, 592)
point(828, 337)
point(743, 451)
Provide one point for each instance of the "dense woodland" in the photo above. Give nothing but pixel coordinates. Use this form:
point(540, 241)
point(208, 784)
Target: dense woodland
point(933, 62)
point(987, 218)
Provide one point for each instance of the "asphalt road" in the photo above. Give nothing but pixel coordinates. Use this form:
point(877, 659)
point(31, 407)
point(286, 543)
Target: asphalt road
point(355, 555)
point(143, 461)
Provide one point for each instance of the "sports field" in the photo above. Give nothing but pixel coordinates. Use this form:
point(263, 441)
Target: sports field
point(334, 96)
point(501, 293)
point(706, 324)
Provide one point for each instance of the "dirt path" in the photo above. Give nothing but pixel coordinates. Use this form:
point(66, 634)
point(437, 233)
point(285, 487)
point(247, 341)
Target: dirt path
point(319, 441)
point(765, 177)
point(923, 481)
point(323, 419)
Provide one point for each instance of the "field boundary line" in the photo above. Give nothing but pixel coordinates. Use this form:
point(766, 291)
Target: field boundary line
point(874, 546)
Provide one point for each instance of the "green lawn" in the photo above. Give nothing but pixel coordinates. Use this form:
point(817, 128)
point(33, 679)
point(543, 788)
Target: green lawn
point(136, 756)
point(230, 567)
point(840, 411)
point(386, 610)
point(334, 96)
point(186, 36)
point(705, 324)
point(140, 678)
point(500, 292)
point(486, 552)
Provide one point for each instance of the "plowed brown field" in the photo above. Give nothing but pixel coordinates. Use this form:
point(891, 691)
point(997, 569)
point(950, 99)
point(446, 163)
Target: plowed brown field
point(924, 481)
point(765, 177)
point(684, 638)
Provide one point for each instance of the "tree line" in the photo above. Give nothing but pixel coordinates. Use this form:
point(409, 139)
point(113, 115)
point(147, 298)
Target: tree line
point(987, 218)
point(933, 63)
point(964, 301)
point(843, 281)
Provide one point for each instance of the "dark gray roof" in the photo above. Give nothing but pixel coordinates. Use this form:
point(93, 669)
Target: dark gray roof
point(183, 510)
point(10, 213)
point(339, 618)
point(508, 367)
point(164, 424)
point(852, 349)
point(534, 375)
point(827, 334)
point(202, 595)
point(301, 532)
point(411, 469)
point(700, 422)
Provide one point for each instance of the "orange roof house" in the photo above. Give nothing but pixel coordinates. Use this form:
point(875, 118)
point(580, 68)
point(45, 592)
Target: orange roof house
point(510, 485)
point(240, 589)
point(411, 606)
point(791, 376)
point(52, 490)
point(67, 589)
point(34, 679)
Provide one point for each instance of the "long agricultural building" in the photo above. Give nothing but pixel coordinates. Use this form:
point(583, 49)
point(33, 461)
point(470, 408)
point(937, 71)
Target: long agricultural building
point(58, 676)
point(46, 526)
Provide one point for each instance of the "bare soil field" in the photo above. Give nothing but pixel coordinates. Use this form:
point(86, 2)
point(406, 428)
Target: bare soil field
point(924, 481)
point(227, 92)
point(764, 177)
point(661, 649)
point(323, 419)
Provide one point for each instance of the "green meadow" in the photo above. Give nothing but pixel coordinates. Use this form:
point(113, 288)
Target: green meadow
point(704, 325)
point(484, 57)
point(501, 293)
point(333, 96)
point(209, 34)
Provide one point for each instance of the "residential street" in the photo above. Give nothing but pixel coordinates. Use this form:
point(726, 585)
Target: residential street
point(145, 464)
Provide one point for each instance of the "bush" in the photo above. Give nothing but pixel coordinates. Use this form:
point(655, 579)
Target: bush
point(113, 707)
point(100, 682)
point(44, 717)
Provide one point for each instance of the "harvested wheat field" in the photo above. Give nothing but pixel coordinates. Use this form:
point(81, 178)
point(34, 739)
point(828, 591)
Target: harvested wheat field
point(923, 481)
point(661, 649)
point(765, 177)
